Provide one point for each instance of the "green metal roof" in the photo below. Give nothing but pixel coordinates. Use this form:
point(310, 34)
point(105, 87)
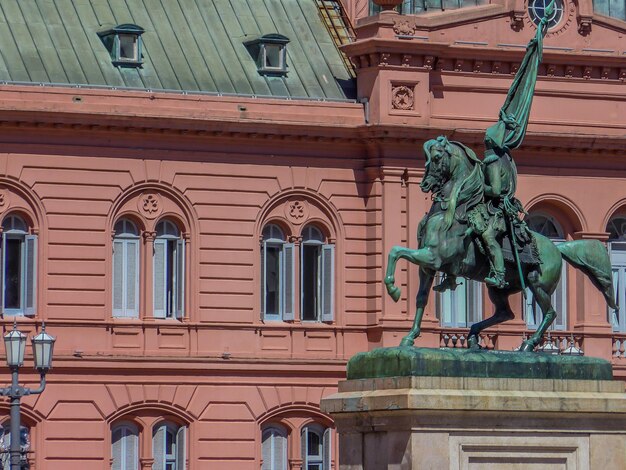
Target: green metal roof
point(188, 45)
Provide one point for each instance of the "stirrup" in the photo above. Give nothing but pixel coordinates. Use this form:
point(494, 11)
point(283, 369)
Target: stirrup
point(496, 279)
point(449, 282)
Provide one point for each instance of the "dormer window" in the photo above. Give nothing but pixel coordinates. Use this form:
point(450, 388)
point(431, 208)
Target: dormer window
point(124, 44)
point(270, 53)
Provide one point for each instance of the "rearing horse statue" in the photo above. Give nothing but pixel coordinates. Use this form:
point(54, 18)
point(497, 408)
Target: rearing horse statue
point(475, 213)
point(453, 175)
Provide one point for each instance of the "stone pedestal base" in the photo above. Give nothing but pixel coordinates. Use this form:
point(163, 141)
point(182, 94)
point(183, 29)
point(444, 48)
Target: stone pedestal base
point(410, 423)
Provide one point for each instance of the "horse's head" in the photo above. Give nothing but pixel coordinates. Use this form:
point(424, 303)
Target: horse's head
point(437, 152)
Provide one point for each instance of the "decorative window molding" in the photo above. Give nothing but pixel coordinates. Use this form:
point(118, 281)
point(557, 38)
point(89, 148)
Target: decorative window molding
point(270, 53)
point(124, 44)
point(19, 267)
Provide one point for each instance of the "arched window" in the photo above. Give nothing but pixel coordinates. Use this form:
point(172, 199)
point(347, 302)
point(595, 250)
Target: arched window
point(126, 270)
point(460, 307)
point(168, 271)
point(125, 447)
point(613, 8)
point(5, 446)
point(19, 267)
point(550, 228)
point(617, 249)
point(277, 275)
point(169, 446)
point(537, 10)
point(274, 448)
point(417, 7)
point(315, 447)
point(316, 276)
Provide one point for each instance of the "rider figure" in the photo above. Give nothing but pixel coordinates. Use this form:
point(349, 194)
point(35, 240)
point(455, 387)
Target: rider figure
point(500, 179)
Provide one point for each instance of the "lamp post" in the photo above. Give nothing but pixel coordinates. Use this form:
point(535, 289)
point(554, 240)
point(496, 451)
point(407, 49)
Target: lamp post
point(15, 344)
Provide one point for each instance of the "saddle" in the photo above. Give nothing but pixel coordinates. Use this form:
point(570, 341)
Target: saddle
point(526, 246)
point(528, 252)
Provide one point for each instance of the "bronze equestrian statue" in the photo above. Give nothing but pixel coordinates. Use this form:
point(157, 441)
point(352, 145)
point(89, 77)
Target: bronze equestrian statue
point(474, 230)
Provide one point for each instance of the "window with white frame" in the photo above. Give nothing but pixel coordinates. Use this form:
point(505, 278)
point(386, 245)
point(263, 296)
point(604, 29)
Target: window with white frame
point(5, 446)
point(461, 307)
point(277, 275)
point(124, 447)
point(617, 249)
point(169, 449)
point(168, 271)
point(550, 228)
point(274, 448)
point(316, 276)
point(19, 267)
point(126, 270)
point(316, 447)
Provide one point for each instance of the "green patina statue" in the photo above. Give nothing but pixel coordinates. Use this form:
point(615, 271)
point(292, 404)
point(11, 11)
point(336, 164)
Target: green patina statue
point(474, 230)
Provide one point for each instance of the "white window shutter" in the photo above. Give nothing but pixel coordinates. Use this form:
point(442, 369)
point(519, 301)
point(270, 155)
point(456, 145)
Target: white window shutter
point(131, 445)
point(304, 448)
point(131, 306)
point(159, 287)
point(263, 286)
point(30, 278)
point(288, 278)
point(326, 449)
point(328, 283)
point(179, 286)
point(118, 278)
point(279, 451)
point(266, 451)
point(116, 449)
point(181, 448)
point(158, 448)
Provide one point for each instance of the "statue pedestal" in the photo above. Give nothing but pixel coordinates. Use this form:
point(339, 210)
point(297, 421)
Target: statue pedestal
point(410, 423)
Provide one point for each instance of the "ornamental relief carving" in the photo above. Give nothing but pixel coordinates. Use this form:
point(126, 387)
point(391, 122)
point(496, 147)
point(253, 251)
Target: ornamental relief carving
point(404, 28)
point(5, 201)
point(297, 211)
point(402, 97)
point(150, 205)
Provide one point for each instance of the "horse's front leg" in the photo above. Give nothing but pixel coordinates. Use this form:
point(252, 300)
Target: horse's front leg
point(426, 282)
point(421, 257)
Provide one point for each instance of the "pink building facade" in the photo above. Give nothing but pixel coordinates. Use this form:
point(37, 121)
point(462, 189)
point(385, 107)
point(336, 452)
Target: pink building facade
point(209, 262)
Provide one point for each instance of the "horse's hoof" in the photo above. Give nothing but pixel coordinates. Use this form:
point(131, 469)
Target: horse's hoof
point(473, 342)
point(406, 342)
point(394, 292)
point(527, 346)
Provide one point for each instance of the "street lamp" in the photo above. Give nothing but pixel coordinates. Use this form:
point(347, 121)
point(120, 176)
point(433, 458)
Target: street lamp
point(15, 344)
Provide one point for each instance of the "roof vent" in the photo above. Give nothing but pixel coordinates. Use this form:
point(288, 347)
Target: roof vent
point(270, 53)
point(124, 44)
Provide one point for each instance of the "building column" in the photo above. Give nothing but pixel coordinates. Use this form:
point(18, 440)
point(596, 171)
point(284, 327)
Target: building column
point(146, 277)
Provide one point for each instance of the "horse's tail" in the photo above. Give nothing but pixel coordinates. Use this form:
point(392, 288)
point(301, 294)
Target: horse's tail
point(591, 257)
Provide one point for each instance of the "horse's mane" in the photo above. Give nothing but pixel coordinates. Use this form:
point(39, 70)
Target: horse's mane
point(471, 188)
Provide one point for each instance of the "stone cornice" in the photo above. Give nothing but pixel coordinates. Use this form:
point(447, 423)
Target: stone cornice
point(447, 57)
